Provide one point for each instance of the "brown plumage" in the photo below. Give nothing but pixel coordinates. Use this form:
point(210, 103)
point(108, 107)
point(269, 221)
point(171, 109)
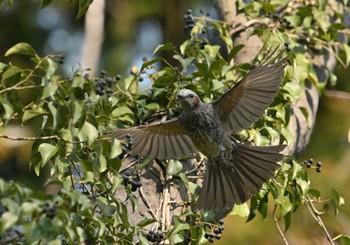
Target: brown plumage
point(234, 171)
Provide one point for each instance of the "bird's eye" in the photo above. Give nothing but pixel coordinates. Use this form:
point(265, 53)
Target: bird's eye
point(191, 96)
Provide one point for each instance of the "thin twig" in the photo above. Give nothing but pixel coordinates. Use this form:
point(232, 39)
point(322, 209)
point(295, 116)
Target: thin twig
point(196, 167)
point(278, 226)
point(50, 137)
point(26, 78)
point(146, 202)
point(318, 218)
point(337, 94)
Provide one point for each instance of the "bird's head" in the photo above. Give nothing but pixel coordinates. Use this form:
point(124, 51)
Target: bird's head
point(188, 99)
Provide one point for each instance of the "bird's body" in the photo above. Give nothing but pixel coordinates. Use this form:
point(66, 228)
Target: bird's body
point(205, 129)
point(235, 171)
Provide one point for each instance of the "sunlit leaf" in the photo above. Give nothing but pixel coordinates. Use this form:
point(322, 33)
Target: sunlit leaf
point(22, 49)
point(29, 114)
point(116, 149)
point(88, 133)
point(241, 210)
point(173, 167)
point(347, 53)
point(7, 220)
point(164, 47)
point(47, 151)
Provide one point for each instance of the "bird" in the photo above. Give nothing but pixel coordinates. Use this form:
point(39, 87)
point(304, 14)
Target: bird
point(234, 170)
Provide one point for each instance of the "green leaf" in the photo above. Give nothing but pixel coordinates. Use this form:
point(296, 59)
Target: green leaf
point(122, 110)
point(116, 149)
point(29, 114)
point(8, 107)
point(178, 226)
point(185, 62)
point(143, 163)
point(145, 222)
point(45, 3)
point(234, 52)
point(174, 167)
point(152, 106)
point(304, 186)
point(151, 62)
point(164, 47)
point(22, 49)
point(49, 90)
point(88, 133)
point(47, 151)
point(314, 193)
point(241, 210)
point(106, 208)
point(143, 240)
point(347, 53)
point(54, 113)
point(78, 111)
point(83, 7)
point(29, 207)
point(344, 240)
point(7, 220)
point(287, 220)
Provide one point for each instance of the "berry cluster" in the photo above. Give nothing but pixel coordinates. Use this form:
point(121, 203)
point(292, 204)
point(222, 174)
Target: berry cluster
point(129, 143)
point(189, 20)
point(129, 180)
point(216, 234)
point(59, 58)
point(155, 237)
point(50, 210)
point(282, 21)
point(104, 84)
point(308, 164)
point(286, 44)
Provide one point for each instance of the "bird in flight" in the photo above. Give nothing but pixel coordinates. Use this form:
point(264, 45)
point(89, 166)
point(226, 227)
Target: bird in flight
point(234, 171)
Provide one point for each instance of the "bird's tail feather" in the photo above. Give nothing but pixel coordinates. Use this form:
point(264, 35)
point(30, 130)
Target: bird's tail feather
point(234, 181)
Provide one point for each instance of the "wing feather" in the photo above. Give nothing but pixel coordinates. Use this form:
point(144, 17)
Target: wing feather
point(246, 101)
point(163, 140)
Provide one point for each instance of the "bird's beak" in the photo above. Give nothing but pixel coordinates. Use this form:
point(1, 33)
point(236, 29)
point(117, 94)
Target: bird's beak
point(179, 96)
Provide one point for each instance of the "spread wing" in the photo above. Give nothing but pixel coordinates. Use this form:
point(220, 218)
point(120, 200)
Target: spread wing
point(163, 140)
point(246, 101)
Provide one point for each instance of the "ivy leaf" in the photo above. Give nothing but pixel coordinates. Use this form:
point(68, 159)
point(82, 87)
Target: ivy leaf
point(178, 226)
point(344, 240)
point(88, 133)
point(241, 210)
point(45, 3)
point(347, 53)
point(47, 151)
point(21, 49)
point(29, 114)
point(287, 220)
point(78, 111)
point(164, 47)
point(234, 52)
point(173, 167)
point(151, 62)
point(83, 7)
point(145, 222)
point(143, 240)
point(7, 220)
point(122, 110)
point(116, 149)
